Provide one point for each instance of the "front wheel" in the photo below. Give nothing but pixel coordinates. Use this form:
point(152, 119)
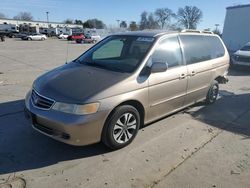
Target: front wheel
point(122, 127)
point(212, 92)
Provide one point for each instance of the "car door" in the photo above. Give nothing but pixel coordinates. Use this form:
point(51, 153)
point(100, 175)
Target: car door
point(35, 37)
point(167, 89)
point(197, 54)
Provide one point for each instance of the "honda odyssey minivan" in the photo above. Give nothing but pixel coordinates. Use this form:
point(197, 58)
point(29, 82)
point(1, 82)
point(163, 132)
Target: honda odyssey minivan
point(125, 81)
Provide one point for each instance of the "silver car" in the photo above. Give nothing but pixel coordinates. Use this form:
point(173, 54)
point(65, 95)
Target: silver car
point(124, 82)
point(241, 57)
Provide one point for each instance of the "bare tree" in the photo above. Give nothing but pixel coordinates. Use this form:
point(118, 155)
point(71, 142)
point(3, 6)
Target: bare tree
point(144, 20)
point(189, 16)
point(163, 16)
point(24, 16)
point(152, 22)
point(2, 15)
point(148, 21)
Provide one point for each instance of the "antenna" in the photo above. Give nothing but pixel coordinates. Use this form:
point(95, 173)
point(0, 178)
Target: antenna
point(67, 52)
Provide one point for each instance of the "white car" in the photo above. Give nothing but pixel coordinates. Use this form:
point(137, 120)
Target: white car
point(63, 36)
point(35, 37)
point(93, 36)
point(96, 37)
point(242, 56)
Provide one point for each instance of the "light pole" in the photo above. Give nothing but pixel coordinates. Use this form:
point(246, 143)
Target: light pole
point(216, 26)
point(47, 13)
point(118, 21)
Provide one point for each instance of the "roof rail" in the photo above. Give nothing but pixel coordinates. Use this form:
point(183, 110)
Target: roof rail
point(190, 30)
point(208, 32)
point(196, 31)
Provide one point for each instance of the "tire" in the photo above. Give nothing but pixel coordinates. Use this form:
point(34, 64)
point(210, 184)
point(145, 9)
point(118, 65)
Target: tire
point(29, 38)
point(42, 38)
point(121, 128)
point(79, 41)
point(212, 93)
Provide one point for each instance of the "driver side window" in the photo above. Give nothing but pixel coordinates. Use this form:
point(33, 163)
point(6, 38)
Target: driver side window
point(168, 51)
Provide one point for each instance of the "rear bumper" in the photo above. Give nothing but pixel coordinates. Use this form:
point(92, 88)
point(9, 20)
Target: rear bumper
point(70, 129)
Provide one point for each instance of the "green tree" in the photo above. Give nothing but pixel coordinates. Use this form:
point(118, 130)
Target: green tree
point(133, 26)
point(94, 23)
point(123, 24)
point(79, 22)
point(189, 16)
point(68, 21)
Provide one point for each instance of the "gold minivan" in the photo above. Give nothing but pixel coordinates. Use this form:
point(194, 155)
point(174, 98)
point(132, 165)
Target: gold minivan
point(125, 81)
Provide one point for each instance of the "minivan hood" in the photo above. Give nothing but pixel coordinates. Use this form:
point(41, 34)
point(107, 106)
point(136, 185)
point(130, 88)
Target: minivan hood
point(77, 83)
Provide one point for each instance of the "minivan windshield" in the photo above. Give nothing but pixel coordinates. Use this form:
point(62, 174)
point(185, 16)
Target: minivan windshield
point(118, 53)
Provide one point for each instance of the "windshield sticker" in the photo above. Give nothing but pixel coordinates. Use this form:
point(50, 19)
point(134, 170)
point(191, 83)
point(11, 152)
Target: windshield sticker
point(145, 39)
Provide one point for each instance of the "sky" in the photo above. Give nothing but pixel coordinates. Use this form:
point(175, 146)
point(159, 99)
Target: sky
point(111, 10)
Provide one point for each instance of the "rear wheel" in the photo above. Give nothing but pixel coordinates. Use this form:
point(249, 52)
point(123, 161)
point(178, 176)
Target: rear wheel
point(29, 38)
point(212, 92)
point(122, 127)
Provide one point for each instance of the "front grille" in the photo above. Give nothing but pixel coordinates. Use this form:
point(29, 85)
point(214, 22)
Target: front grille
point(44, 129)
point(41, 101)
point(51, 132)
point(243, 59)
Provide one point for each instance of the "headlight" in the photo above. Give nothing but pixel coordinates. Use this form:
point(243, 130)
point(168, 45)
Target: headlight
point(77, 109)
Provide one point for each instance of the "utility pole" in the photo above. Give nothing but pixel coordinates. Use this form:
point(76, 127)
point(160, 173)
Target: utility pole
point(47, 13)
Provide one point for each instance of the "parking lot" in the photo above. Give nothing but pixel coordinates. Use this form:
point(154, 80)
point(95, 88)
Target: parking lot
point(202, 146)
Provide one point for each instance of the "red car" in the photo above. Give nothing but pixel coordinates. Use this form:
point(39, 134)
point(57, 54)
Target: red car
point(76, 37)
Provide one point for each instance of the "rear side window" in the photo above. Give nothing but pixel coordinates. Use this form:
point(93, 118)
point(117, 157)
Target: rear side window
point(198, 48)
point(168, 51)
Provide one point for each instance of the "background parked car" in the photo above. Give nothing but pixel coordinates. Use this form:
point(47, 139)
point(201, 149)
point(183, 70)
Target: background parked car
point(35, 37)
point(241, 57)
point(63, 36)
point(94, 37)
point(76, 36)
point(20, 35)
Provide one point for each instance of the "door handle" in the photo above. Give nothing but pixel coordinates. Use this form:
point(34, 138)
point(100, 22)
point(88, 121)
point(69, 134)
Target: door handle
point(193, 73)
point(182, 76)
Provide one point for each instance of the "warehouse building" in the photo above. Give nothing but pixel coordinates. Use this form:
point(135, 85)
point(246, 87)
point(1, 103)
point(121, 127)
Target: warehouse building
point(40, 24)
point(236, 31)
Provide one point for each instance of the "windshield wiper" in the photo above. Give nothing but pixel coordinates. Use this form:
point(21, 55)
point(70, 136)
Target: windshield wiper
point(94, 64)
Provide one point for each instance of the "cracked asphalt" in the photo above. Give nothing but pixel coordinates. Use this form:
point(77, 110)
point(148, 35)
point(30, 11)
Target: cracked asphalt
point(202, 146)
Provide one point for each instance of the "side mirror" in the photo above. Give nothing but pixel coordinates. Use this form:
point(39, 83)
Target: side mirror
point(159, 67)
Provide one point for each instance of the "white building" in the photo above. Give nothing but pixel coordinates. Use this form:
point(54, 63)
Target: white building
point(41, 24)
point(236, 31)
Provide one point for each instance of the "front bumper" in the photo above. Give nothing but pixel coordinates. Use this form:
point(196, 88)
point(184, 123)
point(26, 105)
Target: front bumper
point(68, 128)
point(240, 63)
